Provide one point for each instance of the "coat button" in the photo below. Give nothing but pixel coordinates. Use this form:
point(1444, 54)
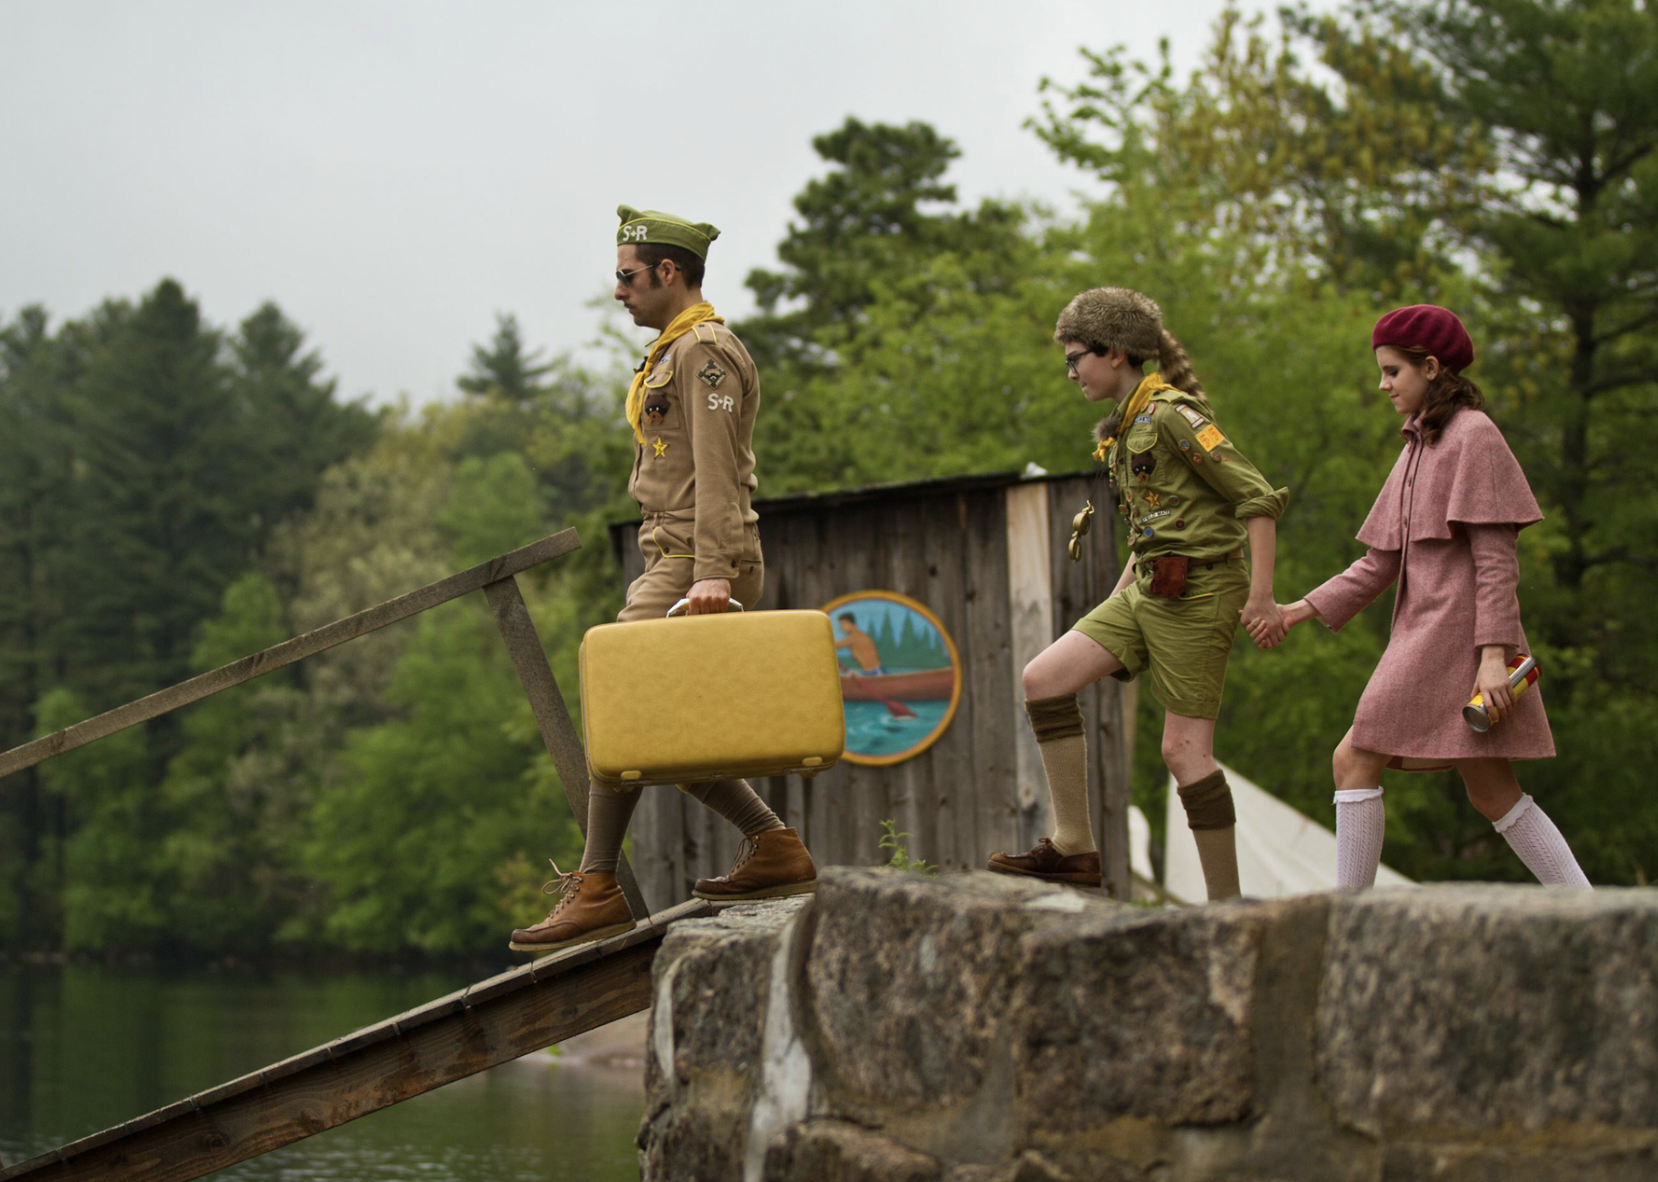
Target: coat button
point(1181, 524)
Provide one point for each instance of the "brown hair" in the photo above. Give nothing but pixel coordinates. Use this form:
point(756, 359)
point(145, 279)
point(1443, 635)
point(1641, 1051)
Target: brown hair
point(1174, 366)
point(1447, 393)
point(652, 253)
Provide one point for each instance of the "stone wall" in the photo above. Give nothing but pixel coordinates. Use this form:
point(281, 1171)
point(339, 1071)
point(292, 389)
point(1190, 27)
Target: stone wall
point(986, 1029)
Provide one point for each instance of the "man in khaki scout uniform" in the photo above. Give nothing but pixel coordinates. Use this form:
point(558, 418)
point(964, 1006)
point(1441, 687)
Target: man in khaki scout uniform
point(691, 408)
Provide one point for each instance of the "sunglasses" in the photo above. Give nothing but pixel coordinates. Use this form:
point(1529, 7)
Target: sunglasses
point(625, 278)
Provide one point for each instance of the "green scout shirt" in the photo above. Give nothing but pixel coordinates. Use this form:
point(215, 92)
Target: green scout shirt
point(1182, 486)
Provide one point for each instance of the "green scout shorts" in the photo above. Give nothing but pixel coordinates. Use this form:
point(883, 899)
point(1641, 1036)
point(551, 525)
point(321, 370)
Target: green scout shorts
point(1185, 642)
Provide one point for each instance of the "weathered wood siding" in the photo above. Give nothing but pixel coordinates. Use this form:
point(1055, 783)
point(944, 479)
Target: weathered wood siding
point(945, 544)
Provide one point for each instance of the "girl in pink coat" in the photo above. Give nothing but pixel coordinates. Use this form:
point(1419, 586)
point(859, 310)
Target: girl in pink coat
point(1443, 528)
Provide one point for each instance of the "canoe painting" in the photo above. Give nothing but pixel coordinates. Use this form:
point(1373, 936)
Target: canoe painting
point(900, 676)
point(922, 685)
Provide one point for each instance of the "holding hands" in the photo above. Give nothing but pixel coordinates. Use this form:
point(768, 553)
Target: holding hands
point(1269, 625)
point(1263, 620)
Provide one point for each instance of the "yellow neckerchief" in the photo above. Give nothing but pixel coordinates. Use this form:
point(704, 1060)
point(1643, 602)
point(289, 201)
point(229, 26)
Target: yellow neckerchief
point(683, 323)
point(1151, 384)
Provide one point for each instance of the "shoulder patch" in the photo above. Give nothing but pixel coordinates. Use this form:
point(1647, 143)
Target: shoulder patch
point(1210, 437)
point(711, 374)
point(1192, 417)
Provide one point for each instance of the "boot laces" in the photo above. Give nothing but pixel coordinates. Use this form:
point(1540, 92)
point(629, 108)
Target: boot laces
point(746, 849)
point(562, 884)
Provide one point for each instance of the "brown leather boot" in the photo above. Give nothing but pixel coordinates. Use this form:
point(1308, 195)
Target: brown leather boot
point(1048, 864)
point(591, 909)
point(769, 865)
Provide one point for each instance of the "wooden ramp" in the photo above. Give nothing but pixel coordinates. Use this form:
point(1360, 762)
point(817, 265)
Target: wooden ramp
point(483, 1025)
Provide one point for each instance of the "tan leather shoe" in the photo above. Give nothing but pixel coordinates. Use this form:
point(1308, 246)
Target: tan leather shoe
point(1048, 864)
point(769, 865)
point(592, 908)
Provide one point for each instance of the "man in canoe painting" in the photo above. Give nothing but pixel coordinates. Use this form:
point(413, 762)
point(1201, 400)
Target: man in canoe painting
point(861, 645)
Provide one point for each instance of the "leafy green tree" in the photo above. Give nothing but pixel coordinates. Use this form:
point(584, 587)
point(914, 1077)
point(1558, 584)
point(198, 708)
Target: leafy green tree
point(1566, 226)
point(227, 845)
point(505, 369)
point(874, 216)
point(296, 424)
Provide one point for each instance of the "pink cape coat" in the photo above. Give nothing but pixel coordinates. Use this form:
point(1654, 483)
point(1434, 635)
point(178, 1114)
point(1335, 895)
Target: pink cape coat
point(1444, 526)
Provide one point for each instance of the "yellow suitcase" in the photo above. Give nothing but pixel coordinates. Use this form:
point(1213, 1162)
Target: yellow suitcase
point(696, 698)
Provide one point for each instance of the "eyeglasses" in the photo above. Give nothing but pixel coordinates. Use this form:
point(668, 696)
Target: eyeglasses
point(1072, 360)
point(625, 278)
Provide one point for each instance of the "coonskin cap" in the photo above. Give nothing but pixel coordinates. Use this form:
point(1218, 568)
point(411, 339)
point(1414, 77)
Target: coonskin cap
point(1112, 318)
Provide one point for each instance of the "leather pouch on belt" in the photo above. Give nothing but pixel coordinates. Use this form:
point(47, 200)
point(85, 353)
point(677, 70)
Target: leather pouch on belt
point(1168, 576)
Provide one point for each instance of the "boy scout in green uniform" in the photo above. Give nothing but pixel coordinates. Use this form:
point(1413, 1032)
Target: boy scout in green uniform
point(691, 407)
point(1190, 501)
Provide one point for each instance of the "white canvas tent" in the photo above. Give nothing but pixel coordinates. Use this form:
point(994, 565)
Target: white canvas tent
point(1280, 851)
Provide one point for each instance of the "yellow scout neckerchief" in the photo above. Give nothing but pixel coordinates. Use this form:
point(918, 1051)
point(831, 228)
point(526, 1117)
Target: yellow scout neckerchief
point(683, 323)
point(1150, 384)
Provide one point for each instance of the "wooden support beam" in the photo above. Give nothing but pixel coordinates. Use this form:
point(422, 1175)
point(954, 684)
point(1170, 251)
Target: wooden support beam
point(481, 1026)
point(558, 732)
point(289, 651)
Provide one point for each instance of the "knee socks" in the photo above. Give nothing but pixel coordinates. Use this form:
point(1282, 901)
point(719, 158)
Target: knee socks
point(608, 814)
point(736, 802)
point(1360, 823)
point(1530, 833)
point(1213, 821)
point(1057, 724)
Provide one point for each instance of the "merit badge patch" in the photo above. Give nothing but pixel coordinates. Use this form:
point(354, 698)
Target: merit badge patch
point(1210, 438)
point(712, 375)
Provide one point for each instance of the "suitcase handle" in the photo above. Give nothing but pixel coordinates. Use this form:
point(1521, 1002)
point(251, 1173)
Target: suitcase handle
point(679, 607)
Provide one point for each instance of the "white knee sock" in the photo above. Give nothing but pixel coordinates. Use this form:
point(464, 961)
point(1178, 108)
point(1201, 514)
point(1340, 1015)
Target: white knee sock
point(1360, 823)
point(1530, 833)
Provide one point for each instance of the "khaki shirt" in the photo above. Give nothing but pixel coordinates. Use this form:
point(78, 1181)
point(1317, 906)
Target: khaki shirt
point(1182, 487)
point(701, 399)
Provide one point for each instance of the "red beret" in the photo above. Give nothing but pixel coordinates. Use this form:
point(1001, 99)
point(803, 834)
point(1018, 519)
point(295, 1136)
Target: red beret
point(1426, 326)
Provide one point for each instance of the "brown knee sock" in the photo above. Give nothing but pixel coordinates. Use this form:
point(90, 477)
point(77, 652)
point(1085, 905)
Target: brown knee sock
point(608, 814)
point(1057, 724)
point(738, 803)
point(1213, 821)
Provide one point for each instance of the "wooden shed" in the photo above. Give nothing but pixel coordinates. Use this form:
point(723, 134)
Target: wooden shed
point(987, 556)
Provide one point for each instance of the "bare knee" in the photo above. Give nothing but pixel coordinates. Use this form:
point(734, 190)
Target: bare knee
point(1034, 680)
point(1493, 799)
point(1187, 758)
point(1353, 767)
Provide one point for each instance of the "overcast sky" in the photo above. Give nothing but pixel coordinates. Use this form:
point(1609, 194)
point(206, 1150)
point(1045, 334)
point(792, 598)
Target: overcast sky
point(392, 174)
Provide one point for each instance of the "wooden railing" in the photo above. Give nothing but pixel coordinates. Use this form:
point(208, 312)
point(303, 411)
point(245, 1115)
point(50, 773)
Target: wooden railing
point(495, 578)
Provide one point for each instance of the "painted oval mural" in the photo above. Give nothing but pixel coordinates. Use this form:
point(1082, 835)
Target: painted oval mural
point(900, 675)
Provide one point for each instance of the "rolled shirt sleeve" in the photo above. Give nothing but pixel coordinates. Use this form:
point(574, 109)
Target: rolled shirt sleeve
point(1227, 471)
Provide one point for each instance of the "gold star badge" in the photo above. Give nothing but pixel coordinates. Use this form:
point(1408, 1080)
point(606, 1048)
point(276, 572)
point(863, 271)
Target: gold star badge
point(658, 447)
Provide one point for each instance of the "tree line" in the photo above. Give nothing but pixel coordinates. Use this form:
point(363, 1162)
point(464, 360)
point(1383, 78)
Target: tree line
point(173, 495)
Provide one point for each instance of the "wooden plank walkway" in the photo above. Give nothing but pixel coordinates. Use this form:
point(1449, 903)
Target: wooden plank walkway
point(491, 1022)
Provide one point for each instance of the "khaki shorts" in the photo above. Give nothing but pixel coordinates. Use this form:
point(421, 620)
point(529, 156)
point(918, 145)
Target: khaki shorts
point(1185, 642)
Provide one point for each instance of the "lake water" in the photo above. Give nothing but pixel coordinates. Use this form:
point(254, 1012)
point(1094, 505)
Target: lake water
point(84, 1047)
